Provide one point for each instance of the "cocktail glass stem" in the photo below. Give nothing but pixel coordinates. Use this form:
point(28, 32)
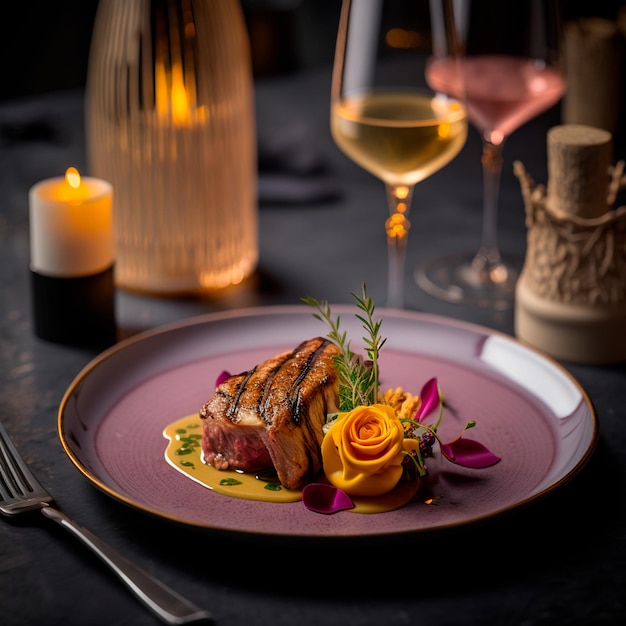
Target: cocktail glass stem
point(397, 227)
point(487, 263)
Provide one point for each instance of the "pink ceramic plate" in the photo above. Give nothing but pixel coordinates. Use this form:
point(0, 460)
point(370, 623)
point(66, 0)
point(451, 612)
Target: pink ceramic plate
point(528, 410)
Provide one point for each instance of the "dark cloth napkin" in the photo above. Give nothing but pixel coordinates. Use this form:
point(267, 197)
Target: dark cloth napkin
point(291, 170)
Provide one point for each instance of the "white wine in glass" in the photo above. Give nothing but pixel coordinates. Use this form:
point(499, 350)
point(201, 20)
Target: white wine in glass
point(384, 117)
point(511, 73)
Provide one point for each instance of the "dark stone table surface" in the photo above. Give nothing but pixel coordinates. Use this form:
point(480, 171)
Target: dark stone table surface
point(561, 560)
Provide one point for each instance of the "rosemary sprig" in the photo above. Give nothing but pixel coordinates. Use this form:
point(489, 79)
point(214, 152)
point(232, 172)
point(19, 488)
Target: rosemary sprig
point(358, 379)
point(373, 341)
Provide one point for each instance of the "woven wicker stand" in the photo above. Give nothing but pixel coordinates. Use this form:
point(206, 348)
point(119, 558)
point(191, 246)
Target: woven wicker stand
point(571, 295)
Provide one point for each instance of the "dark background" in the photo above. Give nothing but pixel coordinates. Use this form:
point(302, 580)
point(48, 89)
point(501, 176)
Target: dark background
point(44, 44)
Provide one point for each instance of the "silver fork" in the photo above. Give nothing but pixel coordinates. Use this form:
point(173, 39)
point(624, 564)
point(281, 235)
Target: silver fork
point(21, 492)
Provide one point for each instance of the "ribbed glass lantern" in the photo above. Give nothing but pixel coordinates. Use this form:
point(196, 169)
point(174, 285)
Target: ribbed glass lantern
point(170, 124)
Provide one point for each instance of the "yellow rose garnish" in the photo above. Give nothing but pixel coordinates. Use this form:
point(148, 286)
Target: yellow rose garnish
point(363, 450)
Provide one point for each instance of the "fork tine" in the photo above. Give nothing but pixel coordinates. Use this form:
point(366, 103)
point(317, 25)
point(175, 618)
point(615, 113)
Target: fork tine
point(17, 481)
point(12, 476)
point(4, 476)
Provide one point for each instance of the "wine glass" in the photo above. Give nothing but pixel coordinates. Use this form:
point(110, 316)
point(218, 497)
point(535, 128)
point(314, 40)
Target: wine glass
point(384, 117)
point(510, 74)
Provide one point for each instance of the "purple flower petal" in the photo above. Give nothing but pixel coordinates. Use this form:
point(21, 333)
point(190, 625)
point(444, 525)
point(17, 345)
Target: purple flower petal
point(326, 499)
point(222, 377)
point(430, 399)
point(468, 453)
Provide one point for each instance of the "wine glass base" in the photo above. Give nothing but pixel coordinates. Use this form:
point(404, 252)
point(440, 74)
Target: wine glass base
point(464, 279)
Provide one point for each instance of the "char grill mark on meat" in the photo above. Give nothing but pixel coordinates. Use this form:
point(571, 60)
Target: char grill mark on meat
point(296, 402)
point(232, 409)
point(265, 399)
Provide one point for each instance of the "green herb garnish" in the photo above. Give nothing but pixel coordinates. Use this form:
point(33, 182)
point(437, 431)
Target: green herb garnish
point(358, 378)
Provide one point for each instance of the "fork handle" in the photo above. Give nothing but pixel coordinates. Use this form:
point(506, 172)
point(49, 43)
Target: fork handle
point(160, 599)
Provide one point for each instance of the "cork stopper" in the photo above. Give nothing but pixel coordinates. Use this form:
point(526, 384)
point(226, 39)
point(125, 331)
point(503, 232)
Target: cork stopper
point(594, 56)
point(579, 160)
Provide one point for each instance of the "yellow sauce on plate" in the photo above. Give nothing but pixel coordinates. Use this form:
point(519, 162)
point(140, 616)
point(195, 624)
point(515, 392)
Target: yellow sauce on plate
point(184, 453)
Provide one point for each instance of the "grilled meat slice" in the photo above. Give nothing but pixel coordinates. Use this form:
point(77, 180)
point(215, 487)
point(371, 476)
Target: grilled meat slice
point(273, 415)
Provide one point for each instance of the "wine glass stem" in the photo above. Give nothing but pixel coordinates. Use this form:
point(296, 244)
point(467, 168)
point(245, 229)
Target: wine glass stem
point(488, 256)
point(397, 227)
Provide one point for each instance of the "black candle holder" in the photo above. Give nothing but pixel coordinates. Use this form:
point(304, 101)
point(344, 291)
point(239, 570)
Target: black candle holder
point(75, 310)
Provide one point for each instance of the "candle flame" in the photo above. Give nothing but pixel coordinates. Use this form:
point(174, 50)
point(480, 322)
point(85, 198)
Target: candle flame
point(180, 102)
point(72, 177)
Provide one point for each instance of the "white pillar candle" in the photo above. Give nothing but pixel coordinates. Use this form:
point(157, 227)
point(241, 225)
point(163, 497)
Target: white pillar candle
point(71, 230)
